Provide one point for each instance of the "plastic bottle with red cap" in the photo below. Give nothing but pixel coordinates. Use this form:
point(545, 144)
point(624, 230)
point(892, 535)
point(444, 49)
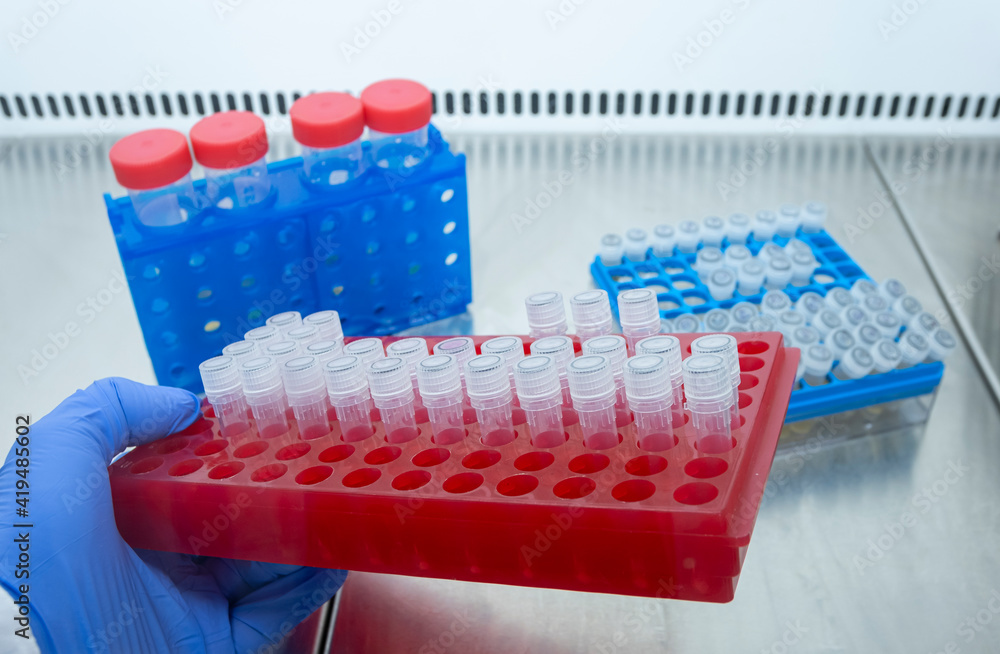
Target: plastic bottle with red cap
point(397, 112)
point(329, 126)
point(231, 146)
point(154, 165)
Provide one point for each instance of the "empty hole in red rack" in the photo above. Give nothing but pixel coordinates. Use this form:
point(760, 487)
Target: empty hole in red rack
point(646, 465)
point(549, 439)
point(250, 449)
point(706, 467)
point(269, 472)
point(336, 453)
point(748, 381)
point(211, 447)
point(463, 482)
point(199, 426)
point(383, 455)
point(293, 451)
point(226, 470)
point(752, 347)
point(185, 467)
point(751, 363)
point(586, 464)
point(146, 465)
point(430, 457)
point(481, 459)
point(715, 444)
point(450, 435)
point(411, 480)
point(469, 416)
point(518, 416)
point(171, 445)
point(534, 461)
point(574, 488)
point(499, 437)
point(697, 492)
point(517, 485)
point(421, 415)
point(313, 475)
point(745, 400)
point(361, 477)
point(633, 490)
point(355, 434)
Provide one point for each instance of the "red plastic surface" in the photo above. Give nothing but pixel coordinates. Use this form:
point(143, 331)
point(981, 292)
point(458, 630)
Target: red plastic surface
point(674, 523)
point(327, 120)
point(150, 159)
point(229, 139)
point(396, 106)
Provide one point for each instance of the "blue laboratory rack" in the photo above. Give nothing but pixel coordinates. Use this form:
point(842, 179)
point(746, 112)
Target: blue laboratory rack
point(388, 251)
point(680, 290)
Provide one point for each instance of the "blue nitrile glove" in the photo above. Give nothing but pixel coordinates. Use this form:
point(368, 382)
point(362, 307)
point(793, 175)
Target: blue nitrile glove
point(88, 590)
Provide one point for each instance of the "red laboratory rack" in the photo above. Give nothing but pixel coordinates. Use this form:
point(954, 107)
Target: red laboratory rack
point(674, 523)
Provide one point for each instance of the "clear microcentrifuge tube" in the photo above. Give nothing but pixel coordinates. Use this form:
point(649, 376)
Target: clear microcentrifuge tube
point(813, 217)
point(707, 261)
point(614, 349)
point(636, 244)
point(826, 322)
point(325, 350)
point(708, 390)
point(810, 304)
point(854, 364)
point(775, 302)
point(736, 255)
point(765, 225)
point(942, 343)
point(907, 308)
point(154, 165)
point(687, 323)
point(221, 378)
point(803, 266)
point(891, 289)
point(886, 356)
point(366, 349)
point(538, 388)
point(511, 348)
point(592, 385)
point(688, 236)
point(722, 284)
point(789, 219)
point(716, 320)
point(231, 147)
point(560, 349)
point(913, 347)
point(282, 351)
point(591, 314)
point(639, 315)
point(265, 394)
point(263, 335)
point(397, 113)
point(412, 351)
point(240, 351)
point(328, 324)
point(818, 363)
point(854, 316)
point(862, 288)
point(888, 324)
point(392, 392)
point(723, 345)
point(650, 396)
point(306, 392)
point(612, 249)
point(328, 126)
point(347, 386)
point(304, 335)
point(463, 349)
point(750, 277)
point(440, 383)
point(546, 314)
point(668, 347)
point(779, 272)
point(840, 341)
point(713, 231)
point(664, 238)
point(285, 320)
point(737, 229)
point(868, 335)
point(769, 251)
point(488, 385)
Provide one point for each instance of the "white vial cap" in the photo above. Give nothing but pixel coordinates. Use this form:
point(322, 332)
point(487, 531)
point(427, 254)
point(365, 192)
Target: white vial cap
point(775, 302)
point(837, 298)
point(220, 375)
point(868, 335)
point(282, 351)
point(826, 322)
point(737, 228)
point(769, 251)
point(862, 288)
point(941, 343)
point(260, 376)
point(736, 255)
point(537, 379)
point(635, 244)
point(410, 350)
point(887, 323)
point(810, 304)
point(797, 245)
point(813, 217)
point(708, 259)
point(803, 265)
point(285, 320)
point(765, 224)
point(559, 348)
point(803, 337)
point(511, 348)
point(854, 316)
point(789, 219)
point(664, 238)
point(818, 360)
point(439, 377)
point(325, 350)
point(486, 378)
point(546, 313)
point(717, 320)
point(367, 349)
point(839, 341)
point(924, 323)
point(713, 230)
point(612, 249)
point(389, 382)
point(591, 311)
point(303, 335)
point(914, 347)
point(687, 323)
point(669, 347)
point(763, 323)
point(591, 379)
point(722, 284)
point(638, 309)
point(241, 350)
point(647, 383)
point(462, 348)
point(885, 355)
point(856, 363)
point(303, 377)
point(707, 383)
point(688, 235)
point(788, 322)
point(345, 379)
point(612, 347)
point(906, 307)
point(328, 324)
point(744, 312)
point(751, 277)
point(891, 289)
point(874, 304)
point(723, 345)
point(262, 335)
point(779, 271)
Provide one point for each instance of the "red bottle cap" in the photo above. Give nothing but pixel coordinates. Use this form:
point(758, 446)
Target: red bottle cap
point(395, 106)
point(229, 139)
point(150, 159)
point(327, 120)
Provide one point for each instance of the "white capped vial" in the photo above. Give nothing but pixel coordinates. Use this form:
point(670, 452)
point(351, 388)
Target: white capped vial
point(724, 346)
point(688, 236)
point(592, 386)
point(305, 389)
point(906, 307)
point(839, 341)
point(765, 225)
point(663, 241)
point(240, 351)
point(668, 347)
point(854, 316)
point(803, 337)
point(743, 312)
point(868, 335)
point(855, 364)
point(546, 314)
point(716, 320)
point(713, 230)
point(722, 284)
point(412, 351)
point(750, 277)
point(769, 251)
point(591, 313)
point(707, 261)
point(440, 384)
point(347, 388)
point(328, 324)
point(891, 289)
point(488, 384)
point(779, 272)
point(796, 245)
point(913, 347)
point(708, 390)
point(818, 362)
point(282, 351)
point(462, 348)
point(639, 315)
point(874, 304)
point(224, 390)
point(862, 288)
point(285, 320)
point(813, 217)
point(925, 324)
point(941, 343)
point(775, 302)
point(366, 349)
point(636, 244)
point(265, 394)
point(736, 255)
point(838, 298)
point(304, 335)
point(612, 249)
point(803, 266)
point(263, 335)
point(560, 350)
point(511, 348)
point(788, 322)
point(763, 323)
point(647, 386)
point(666, 325)
point(391, 388)
point(810, 304)
point(687, 323)
point(885, 356)
point(826, 322)
point(888, 324)
point(738, 228)
point(613, 348)
point(789, 219)
point(325, 350)
point(536, 379)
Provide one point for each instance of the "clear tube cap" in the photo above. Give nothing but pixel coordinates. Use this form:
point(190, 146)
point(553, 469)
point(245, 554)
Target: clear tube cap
point(591, 311)
point(612, 347)
point(707, 381)
point(647, 377)
point(537, 378)
point(241, 350)
point(328, 324)
point(591, 379)
point(264, 334)
point(723, 345)
point(220, 375)
point(366, 349)
point(486, 378)
point(511, 348)
point(303, 376)
point(389, 381)
point(345, 379)
point(638, 308)
point(546, 312)
point(285, 320)
point(438, 376)
point(260, 375)
point(411, 350)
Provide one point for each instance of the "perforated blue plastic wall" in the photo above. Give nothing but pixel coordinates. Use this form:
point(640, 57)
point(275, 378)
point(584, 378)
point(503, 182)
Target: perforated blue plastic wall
point(388, 251)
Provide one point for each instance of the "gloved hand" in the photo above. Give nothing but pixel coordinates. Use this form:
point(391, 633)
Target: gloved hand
point(90, 591)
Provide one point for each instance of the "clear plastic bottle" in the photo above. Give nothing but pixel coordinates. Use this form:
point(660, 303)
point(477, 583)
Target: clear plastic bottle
point(769, 251)
point(392, 392)
point(868, 336)
point(788, 322)
point(325, 350)
point(708, 389)
point(397, 112)
point(789, 219)
point(810, 304)
point(488, 385)
point(887, 323)
point(736, 255)
point(639, 315)
point(907, 308)
point(854, 364)
point(862, 288)
point(328, 324)
point(924, 324)
point(329, 126)
point(765, 225)
point(886, 356)
point(612, 250)
point(511, 348)
point(241, 351)
point(463, 349)
point(854, 316)
point(941, 343)
point(874, 304)
point(539, 391)
point(803, 266)
point(668, 347)
point(282, 351)
point(891, 289)
point(231, 146)
point(263, 335)
point(261, 377)
point(687, 323)
point(636, 244)
point(775, 302)
point(366, 349)
point(813, 217)
point(803, 337)
point(914, 348)
point(837, 299)
point(826, 322)
point(738, 227)
point(743, 313)
point(750, 277)
point(779, 272)
point(614, 349)
point(221, 378)
point(591, 313)
point(664, 238)
point(285, 320)
point(347, 386)
point(713, 231)
point(840, 341)
point(560, 349)
point(592, 385)
point(688, 236)
point(716, 320)
point(304, 335)
point(154, 166)
point(307, 395)
point(440, 383)
point(413, 351)
point(724, 346)
point(650, 397)
point(707, 261)
point(818, 363)
point(546, 314)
